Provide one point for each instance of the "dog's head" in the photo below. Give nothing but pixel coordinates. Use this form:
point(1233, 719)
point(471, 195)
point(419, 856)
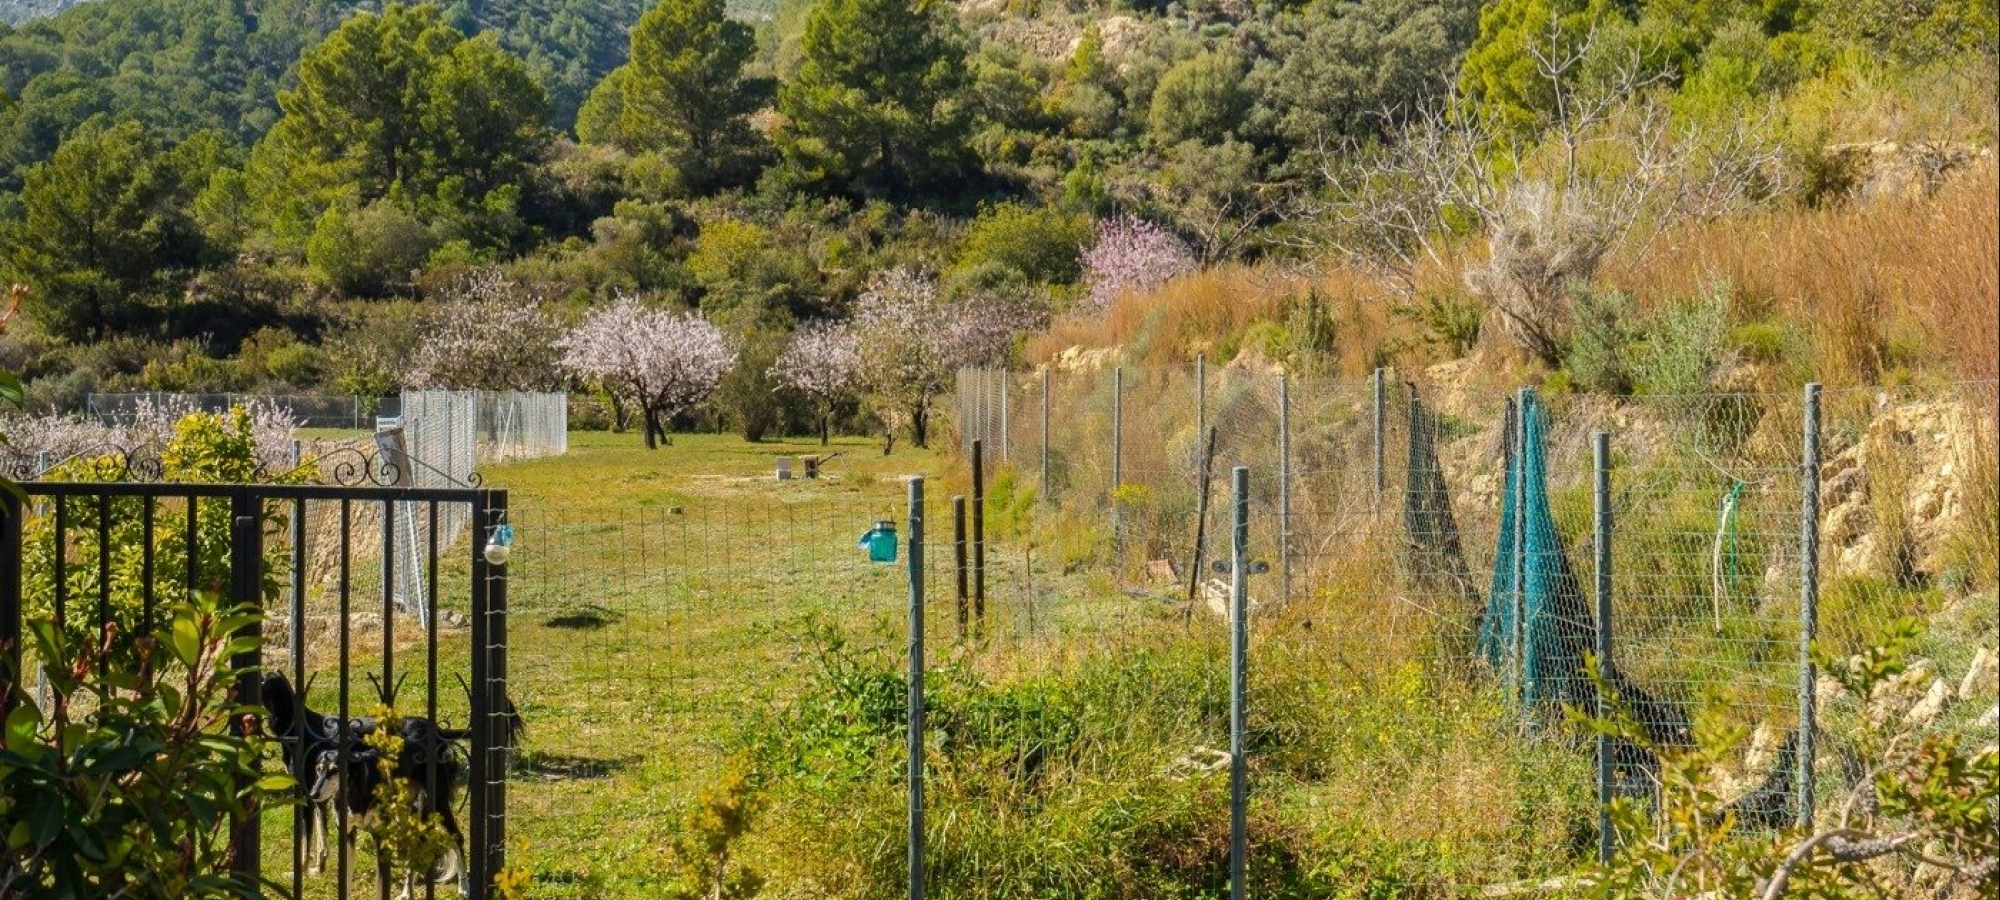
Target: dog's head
point(280, 702)
point(324, 779)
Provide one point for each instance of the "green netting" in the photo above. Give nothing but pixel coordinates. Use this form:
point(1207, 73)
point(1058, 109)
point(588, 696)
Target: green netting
point(1533, 581)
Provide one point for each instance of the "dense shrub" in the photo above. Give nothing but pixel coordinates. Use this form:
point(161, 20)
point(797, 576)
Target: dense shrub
point(204, 448)
point(134, 799)
point(368, 251)
point(1039, 245)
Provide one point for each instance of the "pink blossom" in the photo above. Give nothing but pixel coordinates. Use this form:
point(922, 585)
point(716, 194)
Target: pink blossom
point(661, 361)
point(820, 363)
point(487, 335)
point(913, 343)
point(1132, 255)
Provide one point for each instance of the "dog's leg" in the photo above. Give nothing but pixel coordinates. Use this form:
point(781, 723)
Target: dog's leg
point(315, 837)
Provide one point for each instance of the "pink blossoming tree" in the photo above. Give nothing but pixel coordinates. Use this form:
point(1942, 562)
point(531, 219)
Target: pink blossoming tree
point(1131, 255)
point(660, 361)
point(913, 343)
point(488, 335)
point(820, 364)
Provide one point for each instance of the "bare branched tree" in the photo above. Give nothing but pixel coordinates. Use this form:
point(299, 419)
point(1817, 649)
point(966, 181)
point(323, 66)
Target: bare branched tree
point(1609, 169)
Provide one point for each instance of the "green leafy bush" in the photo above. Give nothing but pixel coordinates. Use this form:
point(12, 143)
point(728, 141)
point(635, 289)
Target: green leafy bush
point(1600, 353)
point(1201, 99)
point(207, 448)
point(1926, 798)
point(1686, 344)
point(1039, 245)
point(134, 799)
point(369, 251)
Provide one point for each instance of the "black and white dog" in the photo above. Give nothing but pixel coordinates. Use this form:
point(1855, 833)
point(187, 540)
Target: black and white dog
point(341, 772)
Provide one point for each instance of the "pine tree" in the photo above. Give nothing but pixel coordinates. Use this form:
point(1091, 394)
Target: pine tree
point(876, 107)
point(684, 92)
point(105, 222)
point(399, 105)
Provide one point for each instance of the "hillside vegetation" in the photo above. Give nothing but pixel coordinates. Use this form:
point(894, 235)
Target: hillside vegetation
point(203, 195)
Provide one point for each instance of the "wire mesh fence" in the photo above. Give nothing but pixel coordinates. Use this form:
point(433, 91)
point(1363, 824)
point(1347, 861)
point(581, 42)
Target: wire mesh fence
point(1401, 531)
point(308, 410)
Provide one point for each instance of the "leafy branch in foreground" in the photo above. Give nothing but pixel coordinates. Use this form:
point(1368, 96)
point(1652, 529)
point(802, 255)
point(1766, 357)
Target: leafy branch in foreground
point(125, 784)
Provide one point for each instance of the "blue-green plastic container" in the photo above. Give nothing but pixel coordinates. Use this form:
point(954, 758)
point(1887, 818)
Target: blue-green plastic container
point(880, 542)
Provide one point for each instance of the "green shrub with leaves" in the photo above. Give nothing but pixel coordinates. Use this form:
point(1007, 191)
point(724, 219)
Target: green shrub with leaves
point(207, 448)
point(703, 856)
point(403, 837)
point(1686, 344)
point(127, 783)
point(1600, 352)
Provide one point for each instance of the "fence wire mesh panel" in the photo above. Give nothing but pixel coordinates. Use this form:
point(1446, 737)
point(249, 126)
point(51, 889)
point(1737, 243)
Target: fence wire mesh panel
point(1409, 526)
point(337, 652)
point(308, 410)
point(1909, 494)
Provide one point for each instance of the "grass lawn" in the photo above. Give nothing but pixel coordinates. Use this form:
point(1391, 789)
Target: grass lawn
point(653, 597)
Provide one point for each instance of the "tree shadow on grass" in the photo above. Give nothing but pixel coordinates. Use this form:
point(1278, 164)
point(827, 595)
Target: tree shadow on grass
point(569, 767)
point(589, 617)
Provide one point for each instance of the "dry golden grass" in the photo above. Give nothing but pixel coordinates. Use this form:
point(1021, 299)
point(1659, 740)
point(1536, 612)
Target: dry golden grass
point(1207, 311)
point(1885, 290)
point(1881, 286)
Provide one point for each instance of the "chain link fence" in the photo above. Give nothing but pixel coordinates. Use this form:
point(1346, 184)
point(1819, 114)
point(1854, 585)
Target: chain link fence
point(308, 410)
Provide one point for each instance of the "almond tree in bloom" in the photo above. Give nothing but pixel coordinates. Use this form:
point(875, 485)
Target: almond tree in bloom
point(912, 344)
point(488, 336)
point(820, 363)
point(660, 361)
point(1132, 254)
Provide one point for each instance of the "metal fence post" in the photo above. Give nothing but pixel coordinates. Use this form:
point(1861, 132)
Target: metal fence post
point(1284, 488)
point(1006, 406)
point(1239, 676)
point(1375, 391)
point(246, 589)
point(1600, 454)
point(1201, 394)
point(979, 534)
point(498, 721)
point(916, 697)
point(1117, 451)
point(1047, 380)
point(958, 556)
point(1808, 602)
point(11, 511)
point(1520, 548)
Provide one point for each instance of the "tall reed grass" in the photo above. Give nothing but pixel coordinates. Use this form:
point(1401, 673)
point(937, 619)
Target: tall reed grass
point(1886, 289)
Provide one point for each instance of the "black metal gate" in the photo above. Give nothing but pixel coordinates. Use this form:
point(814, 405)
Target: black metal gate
point(301, 554)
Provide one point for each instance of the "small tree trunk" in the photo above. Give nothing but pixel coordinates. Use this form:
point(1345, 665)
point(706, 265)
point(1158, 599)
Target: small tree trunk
point(651, 424)
point(825, 429)
point(888, 438)
point(620, 416)
point(920, 425)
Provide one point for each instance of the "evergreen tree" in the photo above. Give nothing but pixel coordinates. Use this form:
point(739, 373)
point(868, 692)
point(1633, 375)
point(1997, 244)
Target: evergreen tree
point(105, 225)
point(683, 92)
point(875, 108)
point(401, 105)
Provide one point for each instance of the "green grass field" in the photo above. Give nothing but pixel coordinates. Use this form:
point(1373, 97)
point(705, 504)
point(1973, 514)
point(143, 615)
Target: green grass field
point(653, 600)
point(670, 619)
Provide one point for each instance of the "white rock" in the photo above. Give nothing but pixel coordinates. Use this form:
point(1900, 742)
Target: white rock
point(1928, 709)
point(1992, 717)
point(1982, 678)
